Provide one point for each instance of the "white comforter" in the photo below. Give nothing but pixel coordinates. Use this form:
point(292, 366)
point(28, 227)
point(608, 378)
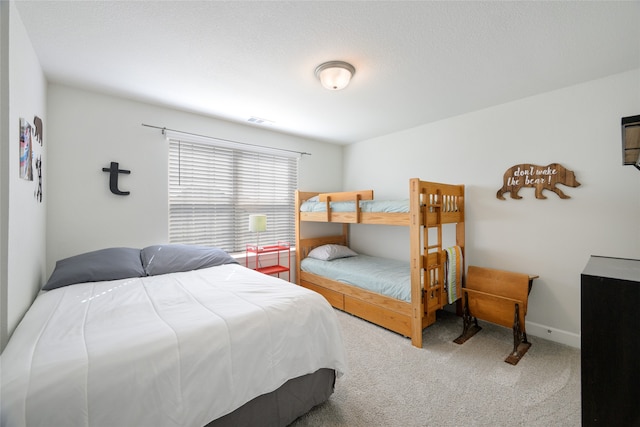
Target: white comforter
point(179, 349)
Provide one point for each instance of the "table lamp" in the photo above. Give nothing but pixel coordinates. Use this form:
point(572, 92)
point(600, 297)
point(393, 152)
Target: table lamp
point(257, 224)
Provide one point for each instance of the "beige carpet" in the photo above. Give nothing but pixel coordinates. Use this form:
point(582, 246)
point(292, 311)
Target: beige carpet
point(390, 383)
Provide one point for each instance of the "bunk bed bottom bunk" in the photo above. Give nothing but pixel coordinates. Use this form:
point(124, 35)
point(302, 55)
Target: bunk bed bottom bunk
point(383, 310)
point(385, 276)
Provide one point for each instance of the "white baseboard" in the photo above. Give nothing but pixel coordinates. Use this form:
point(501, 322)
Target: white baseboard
point(543, 331)
point(552, 334)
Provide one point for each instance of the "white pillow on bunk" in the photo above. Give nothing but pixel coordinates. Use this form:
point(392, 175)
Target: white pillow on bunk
point(329, 252)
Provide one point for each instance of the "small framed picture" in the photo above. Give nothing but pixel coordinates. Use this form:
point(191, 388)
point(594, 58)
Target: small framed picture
point(26, 150)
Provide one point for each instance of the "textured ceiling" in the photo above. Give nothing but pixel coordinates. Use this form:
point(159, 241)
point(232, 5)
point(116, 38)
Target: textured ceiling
point(416, 62)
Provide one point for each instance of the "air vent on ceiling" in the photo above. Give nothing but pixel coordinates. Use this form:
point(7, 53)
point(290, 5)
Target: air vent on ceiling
point(259, 121)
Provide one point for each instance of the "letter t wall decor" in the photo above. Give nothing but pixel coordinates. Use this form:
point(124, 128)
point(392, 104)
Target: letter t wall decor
point(114, 170)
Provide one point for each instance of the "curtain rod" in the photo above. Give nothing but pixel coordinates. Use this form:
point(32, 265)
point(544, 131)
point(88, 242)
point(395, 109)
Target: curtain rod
point(301, 153)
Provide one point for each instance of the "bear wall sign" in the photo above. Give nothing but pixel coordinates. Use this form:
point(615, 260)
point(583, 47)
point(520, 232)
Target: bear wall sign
point(538, 177)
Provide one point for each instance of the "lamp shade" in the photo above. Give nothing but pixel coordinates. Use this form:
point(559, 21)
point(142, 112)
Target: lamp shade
point(257, 223)
point(335, 75)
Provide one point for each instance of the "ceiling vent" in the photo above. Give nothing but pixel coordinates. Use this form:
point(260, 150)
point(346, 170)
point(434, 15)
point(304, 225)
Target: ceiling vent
point(259, 121)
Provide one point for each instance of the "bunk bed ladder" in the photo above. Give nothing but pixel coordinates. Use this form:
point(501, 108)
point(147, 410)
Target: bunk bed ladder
point(434, 269)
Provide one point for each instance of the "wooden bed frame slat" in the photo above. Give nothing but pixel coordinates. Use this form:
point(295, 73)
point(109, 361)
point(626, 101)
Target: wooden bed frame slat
point(391, 320)
point(390, 304)
point(431, 206)
point(392, 218)
point(346, 196)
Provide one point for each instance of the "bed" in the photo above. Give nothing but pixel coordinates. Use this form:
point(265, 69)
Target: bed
point(433, 272)
point(171, 335)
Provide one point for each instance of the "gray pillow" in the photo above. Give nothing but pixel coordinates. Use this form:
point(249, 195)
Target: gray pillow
point(162, 259)
point(96, 266)
point(330, 252)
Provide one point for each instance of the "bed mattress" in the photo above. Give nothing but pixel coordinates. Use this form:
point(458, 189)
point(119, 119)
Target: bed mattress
point(178, 349)
point(384, 276)
point(380, 206)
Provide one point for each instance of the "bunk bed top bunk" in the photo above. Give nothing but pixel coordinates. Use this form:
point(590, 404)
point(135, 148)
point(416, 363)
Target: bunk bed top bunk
point(360, 207)
point(430, 206)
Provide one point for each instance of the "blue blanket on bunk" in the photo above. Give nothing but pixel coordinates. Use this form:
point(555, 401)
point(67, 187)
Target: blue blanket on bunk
point(386, 206)
point(381, 275)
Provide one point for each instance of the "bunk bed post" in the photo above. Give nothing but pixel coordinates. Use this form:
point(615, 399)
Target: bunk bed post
point(460, 241)
point(460, 224)
point(441, 256)
point(417, 308)
point(298, 255)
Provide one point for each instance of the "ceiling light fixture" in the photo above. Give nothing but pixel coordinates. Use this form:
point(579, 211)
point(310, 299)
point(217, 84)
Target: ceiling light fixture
point(335, 75)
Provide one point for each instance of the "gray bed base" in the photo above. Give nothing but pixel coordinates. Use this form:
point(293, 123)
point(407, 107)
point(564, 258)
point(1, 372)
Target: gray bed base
point(283, 406)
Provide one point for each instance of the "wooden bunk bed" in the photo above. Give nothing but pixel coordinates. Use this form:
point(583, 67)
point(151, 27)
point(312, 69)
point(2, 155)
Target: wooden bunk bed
point(431, 205)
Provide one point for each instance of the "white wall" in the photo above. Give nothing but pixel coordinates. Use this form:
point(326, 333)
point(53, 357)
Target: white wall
point(22, 216)
point(4, 168)
point(578, 127)
point(88, 130)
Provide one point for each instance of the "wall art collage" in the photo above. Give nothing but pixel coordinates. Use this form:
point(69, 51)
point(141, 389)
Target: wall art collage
point(31, 142)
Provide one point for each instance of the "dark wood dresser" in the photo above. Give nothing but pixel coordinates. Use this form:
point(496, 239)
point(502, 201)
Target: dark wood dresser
point(610, 355)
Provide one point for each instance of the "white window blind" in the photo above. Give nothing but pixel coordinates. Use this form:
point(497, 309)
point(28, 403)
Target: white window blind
point(213, 190)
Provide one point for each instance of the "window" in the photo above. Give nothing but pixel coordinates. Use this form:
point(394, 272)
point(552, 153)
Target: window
point(213, 190)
